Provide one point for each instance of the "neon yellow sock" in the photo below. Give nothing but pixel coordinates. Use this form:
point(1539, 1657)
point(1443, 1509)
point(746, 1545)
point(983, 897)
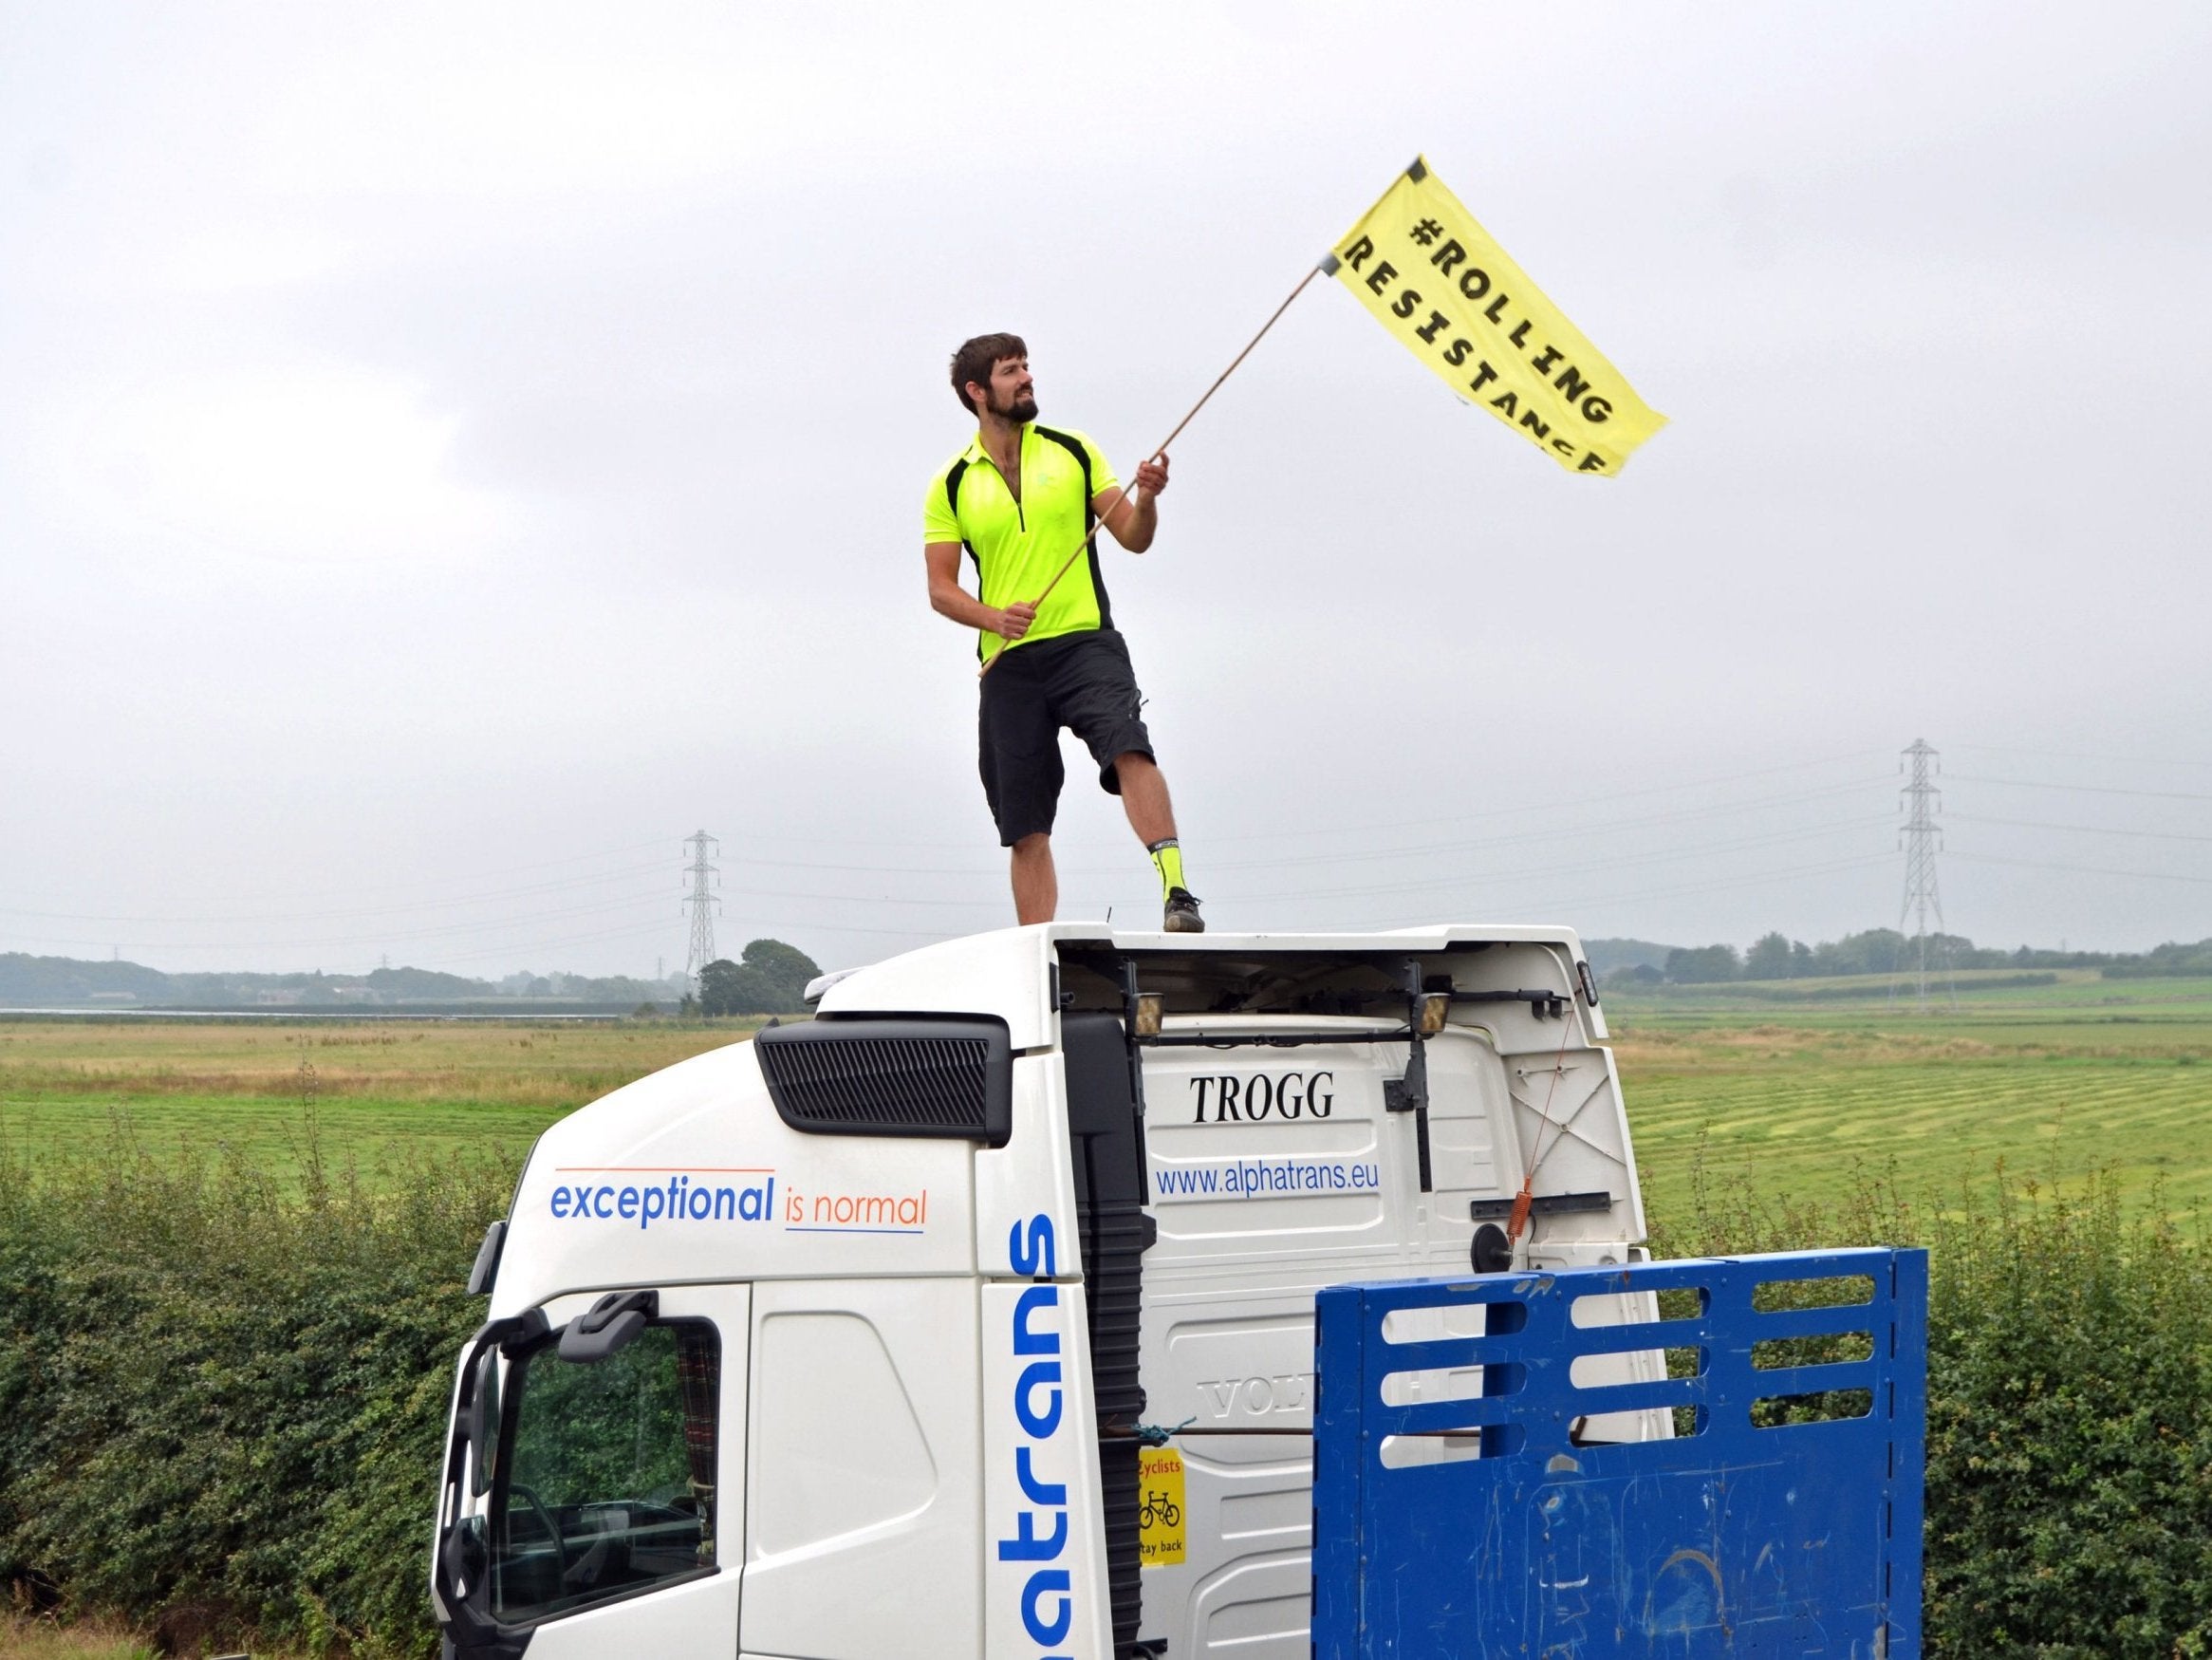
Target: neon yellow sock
point(1167, 859)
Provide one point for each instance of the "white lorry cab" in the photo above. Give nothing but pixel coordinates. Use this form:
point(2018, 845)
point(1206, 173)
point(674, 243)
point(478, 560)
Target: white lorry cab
point(974, 1316)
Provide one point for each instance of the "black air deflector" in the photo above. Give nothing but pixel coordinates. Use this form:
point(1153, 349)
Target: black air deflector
point(900, 1075)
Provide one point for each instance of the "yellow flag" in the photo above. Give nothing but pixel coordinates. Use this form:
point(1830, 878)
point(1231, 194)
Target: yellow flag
point(1434, 278)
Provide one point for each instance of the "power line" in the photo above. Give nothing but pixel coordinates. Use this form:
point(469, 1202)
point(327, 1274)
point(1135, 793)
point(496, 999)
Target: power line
point(1546, 833)
point(772, 895)
point(2091, 830)
point(628, 902)
point(621, 875)
point(2087, 869)
point(439, 882)
point(447, 900)
point(1554, 806)
point(1729, 885)
point(444, 930)
point(1432, 882)
point(1550, 833)
point(2058, 754)
point(776, 893)
point(2080, 788)
point(1276, 836)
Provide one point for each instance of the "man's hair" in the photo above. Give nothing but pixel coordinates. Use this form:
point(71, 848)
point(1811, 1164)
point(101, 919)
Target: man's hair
point(977, 357)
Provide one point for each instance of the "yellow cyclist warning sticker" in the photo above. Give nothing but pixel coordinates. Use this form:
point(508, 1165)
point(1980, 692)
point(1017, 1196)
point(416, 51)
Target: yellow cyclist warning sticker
point(1159, 1507)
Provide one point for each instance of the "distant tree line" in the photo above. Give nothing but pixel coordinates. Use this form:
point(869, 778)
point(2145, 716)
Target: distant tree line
point(27, 982)
point(1884, 950)
point(2170, 959)
point(769, 977)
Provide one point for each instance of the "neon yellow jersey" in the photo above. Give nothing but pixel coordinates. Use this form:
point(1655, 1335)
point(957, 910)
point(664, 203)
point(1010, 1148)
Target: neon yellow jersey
point(1018, 545)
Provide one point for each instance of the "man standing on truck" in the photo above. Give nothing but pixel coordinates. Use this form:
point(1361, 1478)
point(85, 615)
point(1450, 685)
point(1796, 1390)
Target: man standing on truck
point(1020, 500)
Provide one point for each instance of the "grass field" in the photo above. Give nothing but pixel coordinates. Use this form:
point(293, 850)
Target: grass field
point(367, 1087)
point(2054, 1081)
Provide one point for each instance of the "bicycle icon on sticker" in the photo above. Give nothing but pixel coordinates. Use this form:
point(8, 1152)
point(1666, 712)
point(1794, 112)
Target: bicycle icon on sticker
point(1160, 1510)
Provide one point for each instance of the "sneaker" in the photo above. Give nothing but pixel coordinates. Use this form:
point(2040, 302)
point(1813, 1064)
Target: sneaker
point(1182, 913)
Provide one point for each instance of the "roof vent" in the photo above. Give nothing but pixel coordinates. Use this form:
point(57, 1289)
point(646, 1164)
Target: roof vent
point(907, 1075)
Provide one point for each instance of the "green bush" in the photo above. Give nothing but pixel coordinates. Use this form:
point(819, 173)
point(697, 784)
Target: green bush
point(2070, 1403)
point(221, 1396)
point(225, 1401)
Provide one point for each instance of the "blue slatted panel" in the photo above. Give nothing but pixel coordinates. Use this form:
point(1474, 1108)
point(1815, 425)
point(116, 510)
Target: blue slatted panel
point(1799, 1541)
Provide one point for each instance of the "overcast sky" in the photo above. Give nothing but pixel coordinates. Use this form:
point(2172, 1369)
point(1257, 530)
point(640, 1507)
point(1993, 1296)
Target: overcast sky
point(450, 453)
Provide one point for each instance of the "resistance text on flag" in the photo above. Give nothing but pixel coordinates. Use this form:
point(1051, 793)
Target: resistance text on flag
point(1433, 277)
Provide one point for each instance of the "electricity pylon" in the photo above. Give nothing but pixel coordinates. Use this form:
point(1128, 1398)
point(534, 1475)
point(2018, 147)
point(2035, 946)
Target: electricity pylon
point(1921, 840)
point(702, 904)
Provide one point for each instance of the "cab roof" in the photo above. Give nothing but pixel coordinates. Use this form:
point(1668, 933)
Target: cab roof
point(1017, 972)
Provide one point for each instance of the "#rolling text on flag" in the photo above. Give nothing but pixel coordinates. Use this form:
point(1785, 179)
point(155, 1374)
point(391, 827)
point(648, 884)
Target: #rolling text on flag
point(1431, 275)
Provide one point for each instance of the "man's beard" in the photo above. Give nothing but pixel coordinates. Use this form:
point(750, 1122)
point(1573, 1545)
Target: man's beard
point(1022, 409)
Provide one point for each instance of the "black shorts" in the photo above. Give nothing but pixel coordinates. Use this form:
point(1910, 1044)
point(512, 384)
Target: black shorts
point(1081, 681)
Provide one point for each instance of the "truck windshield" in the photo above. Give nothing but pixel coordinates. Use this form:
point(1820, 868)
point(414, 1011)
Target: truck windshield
point(607, 1482)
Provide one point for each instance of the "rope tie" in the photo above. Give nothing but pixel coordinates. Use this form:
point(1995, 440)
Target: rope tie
point(1159, 1434)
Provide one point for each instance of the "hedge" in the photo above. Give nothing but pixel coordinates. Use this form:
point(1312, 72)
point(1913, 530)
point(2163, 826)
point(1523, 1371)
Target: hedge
point(221, 1400)
point(2069, 1402)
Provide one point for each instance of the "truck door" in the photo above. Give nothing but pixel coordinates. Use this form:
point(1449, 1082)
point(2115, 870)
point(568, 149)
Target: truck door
point(1473, 1148)
point(618, 1493)
point(864, 1515)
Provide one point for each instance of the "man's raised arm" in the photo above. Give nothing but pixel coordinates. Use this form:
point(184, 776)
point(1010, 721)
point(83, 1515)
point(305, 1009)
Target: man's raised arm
point(1134, 518)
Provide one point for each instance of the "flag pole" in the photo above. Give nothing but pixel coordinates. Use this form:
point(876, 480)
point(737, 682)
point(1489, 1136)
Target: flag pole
point(1327, 263)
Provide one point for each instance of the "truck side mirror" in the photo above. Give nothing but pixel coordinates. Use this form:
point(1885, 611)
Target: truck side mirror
point(487, 1265)
point(608, 1326)
point(482, 1427)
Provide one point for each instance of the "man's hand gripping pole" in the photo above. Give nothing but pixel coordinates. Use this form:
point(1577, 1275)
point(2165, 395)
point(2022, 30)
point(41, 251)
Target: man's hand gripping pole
point(1159, 450)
